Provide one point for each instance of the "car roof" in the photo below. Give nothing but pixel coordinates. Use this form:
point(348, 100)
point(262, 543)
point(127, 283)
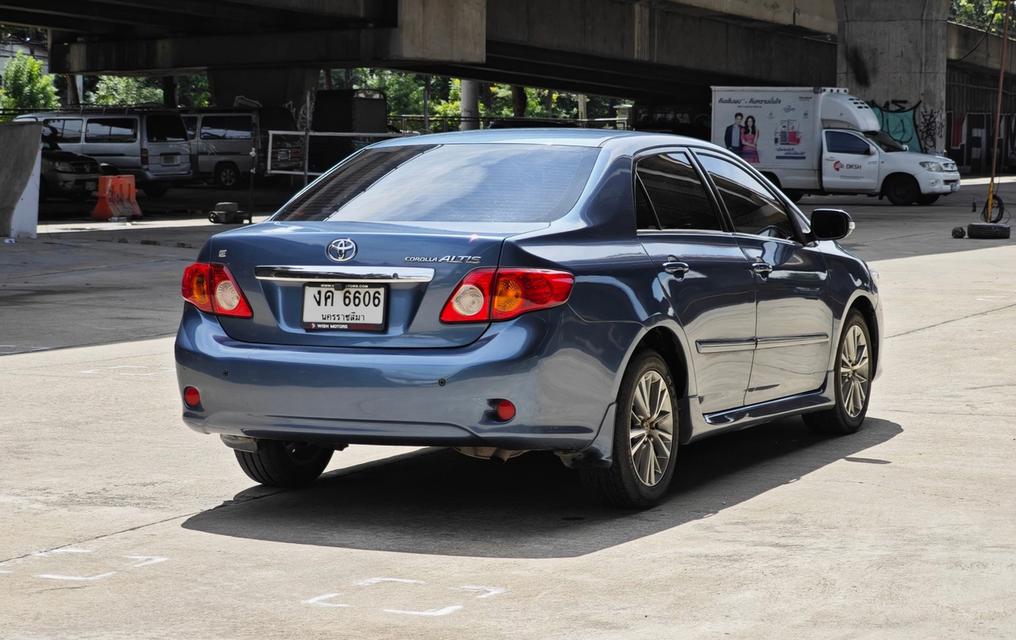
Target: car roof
point(548, 136)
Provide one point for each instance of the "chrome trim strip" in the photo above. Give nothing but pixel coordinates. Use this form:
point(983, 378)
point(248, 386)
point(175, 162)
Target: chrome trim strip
point(298, 273)
point(724, 346)
point(792, 341)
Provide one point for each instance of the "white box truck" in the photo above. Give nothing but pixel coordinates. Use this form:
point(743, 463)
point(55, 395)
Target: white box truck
point(825, 141)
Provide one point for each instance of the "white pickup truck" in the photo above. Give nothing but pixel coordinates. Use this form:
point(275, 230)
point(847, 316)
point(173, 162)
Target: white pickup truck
point(825, 141)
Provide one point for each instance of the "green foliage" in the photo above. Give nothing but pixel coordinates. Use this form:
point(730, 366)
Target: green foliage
point(121, 91)
point(977, 13)
point(193, 91)
point(405, 96)
point(25, 86)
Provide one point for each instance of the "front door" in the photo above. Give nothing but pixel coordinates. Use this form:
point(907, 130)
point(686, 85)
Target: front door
point(704, 274)
point(794, 323)
point(849, 163)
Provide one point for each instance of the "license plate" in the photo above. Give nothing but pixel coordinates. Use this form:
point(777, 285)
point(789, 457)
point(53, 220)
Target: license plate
point(344, 307)
point(91, 186)
point(170, 160)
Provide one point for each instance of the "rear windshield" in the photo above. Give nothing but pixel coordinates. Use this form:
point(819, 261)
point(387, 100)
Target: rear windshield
point(166, 129)
point(450, 183)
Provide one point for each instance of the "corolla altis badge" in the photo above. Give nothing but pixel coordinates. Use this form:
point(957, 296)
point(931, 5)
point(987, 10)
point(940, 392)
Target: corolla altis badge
point(341, 250)
point(446, 259)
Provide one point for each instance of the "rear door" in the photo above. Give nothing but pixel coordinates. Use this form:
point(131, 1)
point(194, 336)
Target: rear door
point(794, 321)
point(849, 163)
point(167, 144)
point(226, 138)
point(704, 274)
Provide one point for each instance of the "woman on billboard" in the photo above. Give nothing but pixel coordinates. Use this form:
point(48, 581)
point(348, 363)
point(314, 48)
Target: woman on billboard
point(749, 141)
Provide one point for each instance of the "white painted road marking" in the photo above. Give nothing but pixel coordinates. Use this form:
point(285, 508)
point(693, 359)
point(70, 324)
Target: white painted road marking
point(146, 560)
point(373, 581)
point(431, 613)
point(54, 576)
point(322, 601)
point(488, 592)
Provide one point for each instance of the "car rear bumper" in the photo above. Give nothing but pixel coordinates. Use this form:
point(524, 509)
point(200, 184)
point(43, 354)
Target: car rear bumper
point(398, 396)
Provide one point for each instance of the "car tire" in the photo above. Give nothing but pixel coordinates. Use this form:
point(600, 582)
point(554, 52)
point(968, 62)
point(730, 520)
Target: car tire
point(227, 175)
point(637, 477)
point(851, 380)
point(927, 199)
point(288, 465)
point(902, 190)
point(155, 189)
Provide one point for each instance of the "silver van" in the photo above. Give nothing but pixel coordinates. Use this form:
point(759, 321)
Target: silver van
point(149, 144)
point(221, 141)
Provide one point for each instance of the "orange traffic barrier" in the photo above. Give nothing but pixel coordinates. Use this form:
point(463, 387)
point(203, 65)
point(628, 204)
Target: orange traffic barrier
point(117, 198)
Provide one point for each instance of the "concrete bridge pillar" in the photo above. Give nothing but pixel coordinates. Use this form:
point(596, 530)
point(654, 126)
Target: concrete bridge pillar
point(893, 54)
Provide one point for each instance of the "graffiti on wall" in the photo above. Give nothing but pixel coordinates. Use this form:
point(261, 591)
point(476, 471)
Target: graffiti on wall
point(920, 128)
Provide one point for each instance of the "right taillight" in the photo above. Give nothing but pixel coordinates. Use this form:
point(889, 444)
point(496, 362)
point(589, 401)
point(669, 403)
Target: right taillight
point(213, 289)
point(486, 295)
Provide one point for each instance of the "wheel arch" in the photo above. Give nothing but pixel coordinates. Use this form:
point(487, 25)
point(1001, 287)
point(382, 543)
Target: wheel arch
point(863, 303)
point(671, 344)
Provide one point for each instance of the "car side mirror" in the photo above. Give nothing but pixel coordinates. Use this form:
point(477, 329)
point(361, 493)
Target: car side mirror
point(871, 150)
point(831, 224)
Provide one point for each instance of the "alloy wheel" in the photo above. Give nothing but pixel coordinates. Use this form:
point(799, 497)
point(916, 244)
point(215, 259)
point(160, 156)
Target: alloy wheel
point(855, 371)
point(651, 428)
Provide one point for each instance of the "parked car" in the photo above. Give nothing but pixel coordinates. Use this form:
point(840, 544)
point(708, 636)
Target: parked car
point(149, 144)
point(221, 141)
point(608, 296)
point(65, 174)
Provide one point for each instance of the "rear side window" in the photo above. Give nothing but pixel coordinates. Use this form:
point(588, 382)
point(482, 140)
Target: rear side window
point(676, 192)
point(165, 128)
point(752, 207)
point(67, 130)
point(112, 130)
point(227, 128)
point(450, 183)
point(839, 142)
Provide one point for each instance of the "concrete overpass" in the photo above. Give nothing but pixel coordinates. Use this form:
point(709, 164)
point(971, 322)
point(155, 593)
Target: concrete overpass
point(891, 53)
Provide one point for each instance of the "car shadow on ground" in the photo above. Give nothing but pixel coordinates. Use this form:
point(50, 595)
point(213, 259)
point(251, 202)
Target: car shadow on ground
point(440, 502)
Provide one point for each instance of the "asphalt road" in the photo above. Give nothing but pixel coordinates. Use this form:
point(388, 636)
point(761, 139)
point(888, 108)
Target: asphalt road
point(118, 522)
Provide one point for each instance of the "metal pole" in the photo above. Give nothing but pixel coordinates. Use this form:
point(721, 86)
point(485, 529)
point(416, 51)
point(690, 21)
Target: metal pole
point(998, 114)
point(306, 139)
point(426, 104)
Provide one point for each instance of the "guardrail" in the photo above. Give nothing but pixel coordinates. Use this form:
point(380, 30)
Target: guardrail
point(312, 153)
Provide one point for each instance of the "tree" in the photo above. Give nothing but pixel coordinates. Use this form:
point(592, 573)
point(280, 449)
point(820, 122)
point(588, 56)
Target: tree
point(120, 91)
point(26, 86)
point(977, 13)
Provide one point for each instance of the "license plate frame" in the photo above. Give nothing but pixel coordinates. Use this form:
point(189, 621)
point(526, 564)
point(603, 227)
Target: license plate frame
point(338, 288)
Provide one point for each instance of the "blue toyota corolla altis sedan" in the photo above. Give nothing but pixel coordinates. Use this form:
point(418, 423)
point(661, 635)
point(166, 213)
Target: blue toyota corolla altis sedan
point(608, 296)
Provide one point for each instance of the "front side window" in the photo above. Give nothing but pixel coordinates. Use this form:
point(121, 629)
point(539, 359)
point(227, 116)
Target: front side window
point(227, 128)
point(450, 183)
point(753, 208)
point(677, 195)
point(67, 130)
point(112, 130)
point(839, 142)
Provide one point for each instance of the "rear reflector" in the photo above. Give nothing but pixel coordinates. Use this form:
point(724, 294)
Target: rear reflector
point(504, 410)
point(192, 397)
point(213, 289)
point(486, 295)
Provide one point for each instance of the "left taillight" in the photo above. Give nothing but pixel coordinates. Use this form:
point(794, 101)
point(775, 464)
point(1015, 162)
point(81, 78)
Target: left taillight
point(212, 288)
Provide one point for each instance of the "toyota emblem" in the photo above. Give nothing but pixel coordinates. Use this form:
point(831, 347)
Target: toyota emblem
point(342, 250)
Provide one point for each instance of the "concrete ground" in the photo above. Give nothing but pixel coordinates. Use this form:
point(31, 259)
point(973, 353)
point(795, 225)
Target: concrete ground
point(117, 522)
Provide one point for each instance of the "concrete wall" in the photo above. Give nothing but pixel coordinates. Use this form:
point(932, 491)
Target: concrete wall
point(893, 54)
point(20, 147)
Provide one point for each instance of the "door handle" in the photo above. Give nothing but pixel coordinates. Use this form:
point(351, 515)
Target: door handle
point(674, 266)
point(762, 268)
